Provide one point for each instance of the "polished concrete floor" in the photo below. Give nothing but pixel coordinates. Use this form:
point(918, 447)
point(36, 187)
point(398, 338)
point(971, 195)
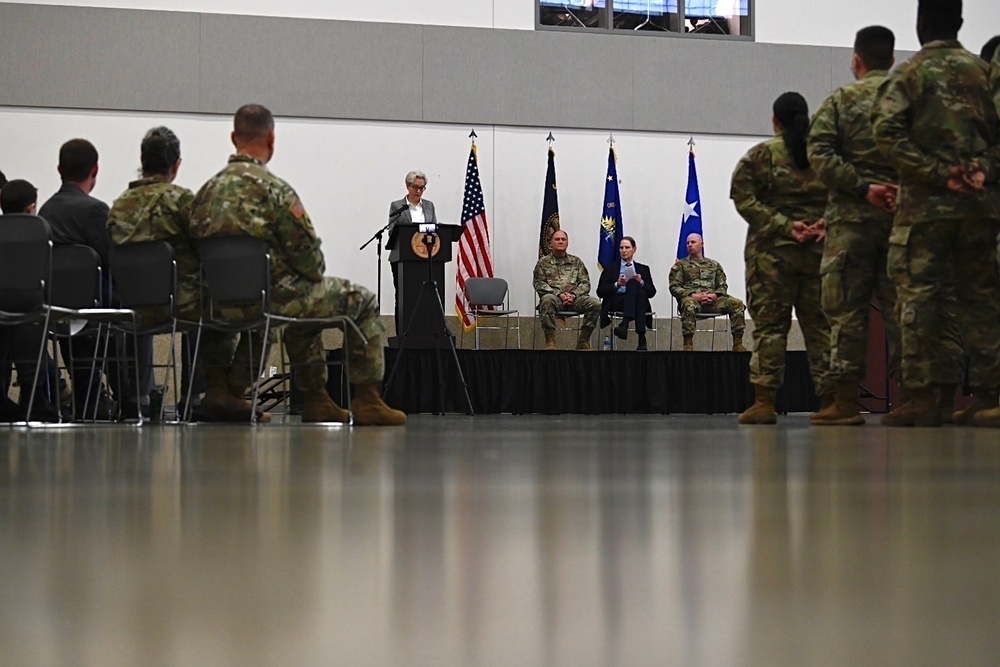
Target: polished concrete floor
point(507, 541)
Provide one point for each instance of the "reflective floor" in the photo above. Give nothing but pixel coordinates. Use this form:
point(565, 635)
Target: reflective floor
point(504, 541)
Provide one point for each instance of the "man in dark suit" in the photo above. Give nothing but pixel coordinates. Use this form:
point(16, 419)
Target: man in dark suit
point(626, 288)
point(77, 218)
point(411, 209)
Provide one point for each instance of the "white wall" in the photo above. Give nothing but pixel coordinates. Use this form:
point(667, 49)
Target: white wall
point(348, 172)
point(815, 22)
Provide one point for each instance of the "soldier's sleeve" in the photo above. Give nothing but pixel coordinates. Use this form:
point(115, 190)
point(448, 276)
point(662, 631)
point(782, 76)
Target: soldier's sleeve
point(721, 286)
point(677, 287)
point(750, 179)
point(824, 146)
point(185, 205)
point(991, 165)
point(890, 120)
point(540, 283)
point(583, 279)
point(298, 238)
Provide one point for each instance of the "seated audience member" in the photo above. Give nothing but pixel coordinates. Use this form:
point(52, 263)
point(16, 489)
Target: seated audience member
point(246, 198)
point(699, 285)
point(563, 283)
point(626, 288)
point(19, 344)
point(154, 209)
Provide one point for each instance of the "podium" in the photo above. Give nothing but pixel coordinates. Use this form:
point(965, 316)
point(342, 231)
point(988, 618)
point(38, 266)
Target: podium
point(409, 255)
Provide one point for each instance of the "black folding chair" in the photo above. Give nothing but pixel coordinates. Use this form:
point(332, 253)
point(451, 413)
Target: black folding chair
point(78, 291)
point(237, 270)
point(144, 277)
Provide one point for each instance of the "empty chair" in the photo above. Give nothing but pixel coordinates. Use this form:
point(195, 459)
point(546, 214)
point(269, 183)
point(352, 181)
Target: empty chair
point(488, 300)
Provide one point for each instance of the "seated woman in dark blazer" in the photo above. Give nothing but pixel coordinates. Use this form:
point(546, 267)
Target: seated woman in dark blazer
point(626, 288)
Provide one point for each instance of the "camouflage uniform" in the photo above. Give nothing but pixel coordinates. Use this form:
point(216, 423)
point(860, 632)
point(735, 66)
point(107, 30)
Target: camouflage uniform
point(555, 275)
point(689, 276)
point(246, 198)
point(152, 209)
point(932, 113)
point(771, 193)
point(843, 154)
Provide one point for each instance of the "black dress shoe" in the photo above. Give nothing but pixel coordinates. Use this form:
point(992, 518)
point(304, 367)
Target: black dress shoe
point(641, 347)
point(621, 331)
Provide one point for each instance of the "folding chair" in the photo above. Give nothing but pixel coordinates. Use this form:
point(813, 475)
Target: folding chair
point(237, 270)
point(144, 277)
point(616, 317)
point(488, 299)
point(78, 291)
point(25, 278)
point(571, 320)
point(699, 317)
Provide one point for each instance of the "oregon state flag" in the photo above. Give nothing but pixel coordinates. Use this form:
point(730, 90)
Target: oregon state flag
point(611, 219)
point(550, 207)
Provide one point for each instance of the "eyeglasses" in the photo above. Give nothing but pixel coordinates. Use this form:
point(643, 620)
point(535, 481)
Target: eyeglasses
point(417, 188)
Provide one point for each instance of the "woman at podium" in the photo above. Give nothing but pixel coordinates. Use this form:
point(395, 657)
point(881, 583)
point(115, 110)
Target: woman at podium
point(411, 209)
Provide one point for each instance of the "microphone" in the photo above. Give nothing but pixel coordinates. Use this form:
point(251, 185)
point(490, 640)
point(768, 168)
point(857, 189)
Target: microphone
point(398, 211)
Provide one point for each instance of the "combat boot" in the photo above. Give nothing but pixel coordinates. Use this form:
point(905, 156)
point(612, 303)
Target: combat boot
point(370, 410)
point(920, 410)
point(982, 400)
point(550, 340)
point(583, 342)
point(689, 343)
point(946, 402)
point(319, 407)
point(762, 411)
point(990, 417)
point(738, 343)
point(226, 403)
point(843, 410)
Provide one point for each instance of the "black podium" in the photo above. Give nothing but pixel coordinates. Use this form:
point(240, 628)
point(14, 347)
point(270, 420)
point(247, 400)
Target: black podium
point(409, 255)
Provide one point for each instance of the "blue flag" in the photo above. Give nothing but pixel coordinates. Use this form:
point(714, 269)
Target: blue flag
point(550, 208)
point(611, 220)
point(691, 218)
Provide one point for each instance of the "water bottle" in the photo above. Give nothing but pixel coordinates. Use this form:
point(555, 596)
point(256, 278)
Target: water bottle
point(607, 343)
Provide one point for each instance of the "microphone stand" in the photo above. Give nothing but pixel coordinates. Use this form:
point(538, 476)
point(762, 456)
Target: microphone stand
point(378, 255)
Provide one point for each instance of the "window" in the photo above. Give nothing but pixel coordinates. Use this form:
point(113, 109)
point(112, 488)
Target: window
point(706, 17)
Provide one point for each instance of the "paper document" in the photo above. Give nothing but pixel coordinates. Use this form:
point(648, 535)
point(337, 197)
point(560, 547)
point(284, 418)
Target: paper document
point(628, 271)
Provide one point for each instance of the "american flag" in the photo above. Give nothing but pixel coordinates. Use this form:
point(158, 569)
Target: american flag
point(474, 251)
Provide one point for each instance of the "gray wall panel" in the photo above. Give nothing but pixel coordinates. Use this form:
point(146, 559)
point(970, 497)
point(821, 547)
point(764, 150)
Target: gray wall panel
point(79, 57)
point(133, 60)
point(511, 77)
point(324, 69)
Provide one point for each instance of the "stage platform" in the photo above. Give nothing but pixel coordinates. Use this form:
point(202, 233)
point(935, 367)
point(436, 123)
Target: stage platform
point(571, 382)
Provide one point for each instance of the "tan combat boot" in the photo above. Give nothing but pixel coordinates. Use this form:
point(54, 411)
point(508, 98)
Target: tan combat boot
point(989, 417)
point(920, 410)
point(982, 399)
point(762, 411)
point(843, 410)
point(946, 402)
point(224, 402)
point(689, 343)
point(583, 342)
point(550, 340)
point(370, 410)
point(319, 407)
point(738, 343)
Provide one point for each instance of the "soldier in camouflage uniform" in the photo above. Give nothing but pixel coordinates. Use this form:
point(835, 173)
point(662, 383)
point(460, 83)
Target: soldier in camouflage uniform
point(859, 213)
point(154, 209)
point(782, 200)
point(699, 285)
point(246, 198)
point(563, 283)
point(933, 118)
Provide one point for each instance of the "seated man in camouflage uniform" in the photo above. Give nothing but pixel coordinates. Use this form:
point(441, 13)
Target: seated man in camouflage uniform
point(563, 283)
point(699, 285)
point(246, 198)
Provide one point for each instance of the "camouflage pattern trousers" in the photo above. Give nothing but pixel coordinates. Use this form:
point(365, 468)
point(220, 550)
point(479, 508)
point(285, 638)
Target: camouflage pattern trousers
point(853, 271)
point(943, 268)
point(778, 280)
point(587, 305)
point(241, 353)
point(723, 305)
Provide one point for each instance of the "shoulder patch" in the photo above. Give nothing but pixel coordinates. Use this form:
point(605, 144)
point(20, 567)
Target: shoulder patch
point(297, 209)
